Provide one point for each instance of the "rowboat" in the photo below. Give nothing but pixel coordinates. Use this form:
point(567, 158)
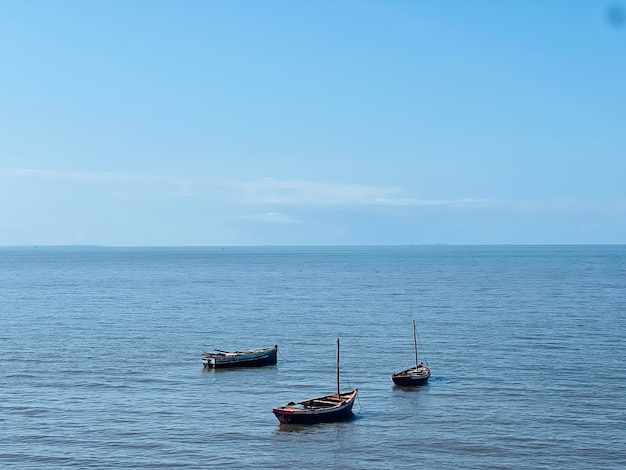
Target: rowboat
point(416, 375)
point(325, 409)
point(247, 358)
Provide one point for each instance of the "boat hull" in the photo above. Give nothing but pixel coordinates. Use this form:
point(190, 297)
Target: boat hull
point(411, 377)
point(250, 358)
point(409, 381)
point(299, 413)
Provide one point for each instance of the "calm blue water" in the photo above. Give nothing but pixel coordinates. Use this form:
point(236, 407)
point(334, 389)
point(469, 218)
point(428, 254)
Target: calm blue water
point(100, 356)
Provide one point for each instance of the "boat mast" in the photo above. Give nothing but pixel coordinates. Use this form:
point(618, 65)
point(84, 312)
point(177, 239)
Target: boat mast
point(415, 344)
point(338, 392)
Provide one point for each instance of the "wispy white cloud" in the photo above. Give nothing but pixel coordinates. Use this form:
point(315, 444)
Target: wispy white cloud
point(265, 191)
point(271, 217)
point(298, 192)
point(290, 193)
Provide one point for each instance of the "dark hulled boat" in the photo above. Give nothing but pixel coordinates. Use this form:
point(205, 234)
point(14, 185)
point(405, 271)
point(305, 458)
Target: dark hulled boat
point(416, 375)
point(412, 376)
point(325, 409)
point(247, 358)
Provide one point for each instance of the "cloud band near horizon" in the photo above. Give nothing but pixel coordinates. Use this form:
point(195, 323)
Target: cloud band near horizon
point(267, 191)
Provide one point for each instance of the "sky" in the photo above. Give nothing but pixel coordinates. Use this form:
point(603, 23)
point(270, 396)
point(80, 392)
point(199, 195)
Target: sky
point(245, 123)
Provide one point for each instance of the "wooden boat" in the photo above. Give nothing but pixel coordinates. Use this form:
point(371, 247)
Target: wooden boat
point(417, 375)
point(325, 409)
point(247, 358)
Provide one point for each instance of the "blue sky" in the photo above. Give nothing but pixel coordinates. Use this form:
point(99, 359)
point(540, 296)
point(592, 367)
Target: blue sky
point(147, 122)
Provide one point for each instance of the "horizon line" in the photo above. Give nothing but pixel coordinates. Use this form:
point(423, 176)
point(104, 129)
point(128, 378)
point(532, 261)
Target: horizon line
point(268, 245)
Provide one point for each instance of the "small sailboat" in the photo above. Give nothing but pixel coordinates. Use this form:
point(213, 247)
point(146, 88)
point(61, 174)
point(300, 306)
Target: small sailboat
point(417, 375)
point(325, 409)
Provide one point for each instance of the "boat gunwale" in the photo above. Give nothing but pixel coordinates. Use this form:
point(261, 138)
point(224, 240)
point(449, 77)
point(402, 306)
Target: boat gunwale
point(220, 353)
point(349, 399)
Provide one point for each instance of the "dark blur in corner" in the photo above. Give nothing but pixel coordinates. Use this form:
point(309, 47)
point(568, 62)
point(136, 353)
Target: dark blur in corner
point(616, 15)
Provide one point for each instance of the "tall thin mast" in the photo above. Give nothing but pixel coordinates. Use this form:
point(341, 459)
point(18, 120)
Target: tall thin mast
point(415, 343)
point(338, 392)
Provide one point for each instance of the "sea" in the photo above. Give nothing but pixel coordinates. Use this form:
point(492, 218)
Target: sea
point(100, 356)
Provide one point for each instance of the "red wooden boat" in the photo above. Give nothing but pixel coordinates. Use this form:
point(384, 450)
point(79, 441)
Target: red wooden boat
point(328, 408)
point(417, 375)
